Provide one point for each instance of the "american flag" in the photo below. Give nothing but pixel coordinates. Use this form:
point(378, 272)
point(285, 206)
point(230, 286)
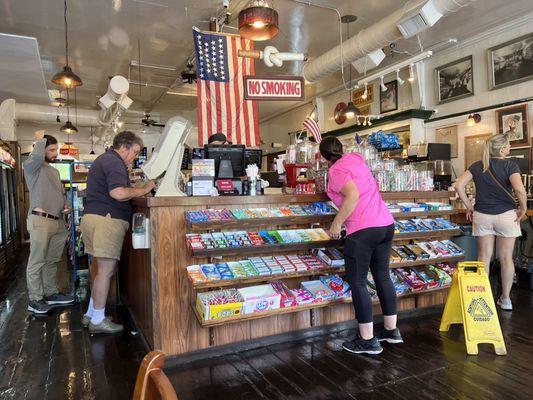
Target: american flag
point(312, 126)
point(221, 104)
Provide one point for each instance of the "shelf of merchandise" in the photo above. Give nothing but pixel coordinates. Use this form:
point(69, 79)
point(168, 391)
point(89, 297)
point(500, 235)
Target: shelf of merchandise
point(426, 235)
point(314, 272)
point(266, 249)
point(288, 310)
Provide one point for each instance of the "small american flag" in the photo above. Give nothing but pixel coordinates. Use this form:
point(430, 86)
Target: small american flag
point(312, 126)
point(221, 104)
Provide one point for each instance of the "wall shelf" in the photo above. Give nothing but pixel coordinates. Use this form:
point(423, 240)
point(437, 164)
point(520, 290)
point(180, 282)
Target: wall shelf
point(427, 234)
point(314, 272)
point(288, 310)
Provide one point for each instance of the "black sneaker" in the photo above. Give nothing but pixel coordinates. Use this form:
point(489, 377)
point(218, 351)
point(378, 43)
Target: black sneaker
point(59, 298)
point(393, 336)
point(38, 307)
point(362, 346)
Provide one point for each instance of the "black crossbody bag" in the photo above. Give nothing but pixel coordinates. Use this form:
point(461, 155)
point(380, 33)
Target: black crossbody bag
point(502, 187)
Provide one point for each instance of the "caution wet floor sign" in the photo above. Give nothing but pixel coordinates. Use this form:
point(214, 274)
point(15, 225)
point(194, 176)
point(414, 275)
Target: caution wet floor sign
point(470, 303)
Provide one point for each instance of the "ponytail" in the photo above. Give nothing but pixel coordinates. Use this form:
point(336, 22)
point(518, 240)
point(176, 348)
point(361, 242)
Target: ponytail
point(492, 148)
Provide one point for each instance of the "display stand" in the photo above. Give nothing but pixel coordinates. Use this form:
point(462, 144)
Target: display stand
point(157, 290)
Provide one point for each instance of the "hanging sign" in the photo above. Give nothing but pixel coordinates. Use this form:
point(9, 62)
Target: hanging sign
point(471, 304)
point(274, 88)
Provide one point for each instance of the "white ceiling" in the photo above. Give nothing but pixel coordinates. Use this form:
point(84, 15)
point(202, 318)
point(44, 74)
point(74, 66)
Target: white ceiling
point(104, 36)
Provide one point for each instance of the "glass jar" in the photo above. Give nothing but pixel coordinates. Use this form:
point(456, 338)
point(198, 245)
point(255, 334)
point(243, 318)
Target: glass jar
point(302, 152)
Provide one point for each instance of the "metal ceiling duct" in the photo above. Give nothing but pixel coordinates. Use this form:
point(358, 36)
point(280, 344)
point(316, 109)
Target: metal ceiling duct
point(375, 37)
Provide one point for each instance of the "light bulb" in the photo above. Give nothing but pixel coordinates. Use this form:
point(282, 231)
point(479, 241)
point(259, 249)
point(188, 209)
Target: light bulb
point(411, 73)
point(369, 122)
point(365, 93)
point(400, 80)
point(68, 82)
point(258, 24)
point(350, 114)
point(382, 84)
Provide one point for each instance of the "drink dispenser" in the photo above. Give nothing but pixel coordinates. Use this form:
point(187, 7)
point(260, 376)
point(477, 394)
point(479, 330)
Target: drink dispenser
point(140, 231)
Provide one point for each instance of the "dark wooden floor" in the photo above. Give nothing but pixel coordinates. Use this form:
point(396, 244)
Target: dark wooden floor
point(55, 358)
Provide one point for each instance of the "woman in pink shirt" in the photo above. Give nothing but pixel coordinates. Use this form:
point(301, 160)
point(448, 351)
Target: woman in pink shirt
point(369, 231)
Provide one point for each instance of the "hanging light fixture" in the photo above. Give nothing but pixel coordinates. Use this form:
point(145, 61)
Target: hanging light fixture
point(365, 93)
point(92, 141)
point(68, 128)
point(473, 119)
point(411, 73)
point(351, 111)
point(258, 21)
point(400, 80)
point(66, 77)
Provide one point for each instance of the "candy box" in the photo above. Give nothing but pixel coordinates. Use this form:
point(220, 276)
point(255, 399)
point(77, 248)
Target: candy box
point(219, 304)
point(336, 285)
point(195, 241)
point(433, 253)
point(224, 271)
point(220, 240)
point(302, 296)
point(267, 237)
point(412, 207)
point(259, 298)
point(239, 213)
point(211, 272)
point(411, 278)
point(287, 298)
point(331, 257)
point(399, 285)
point(195, 274)
point(256, 239)
point(318, 290)
point(248, 268)
point(430, 277)
point(237, 269)
point(434, 206)
point(321, 233)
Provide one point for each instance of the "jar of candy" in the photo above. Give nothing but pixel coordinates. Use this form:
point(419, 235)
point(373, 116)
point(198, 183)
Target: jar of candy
point(302, 152)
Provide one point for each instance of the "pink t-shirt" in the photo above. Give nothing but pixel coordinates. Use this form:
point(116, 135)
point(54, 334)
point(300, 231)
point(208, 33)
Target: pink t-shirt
point(371, 210)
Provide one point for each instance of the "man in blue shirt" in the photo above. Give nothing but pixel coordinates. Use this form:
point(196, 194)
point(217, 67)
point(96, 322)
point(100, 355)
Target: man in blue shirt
point(106, 220)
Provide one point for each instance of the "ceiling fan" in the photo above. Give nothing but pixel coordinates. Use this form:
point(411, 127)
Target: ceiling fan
point(147, 121)
point(188, 75)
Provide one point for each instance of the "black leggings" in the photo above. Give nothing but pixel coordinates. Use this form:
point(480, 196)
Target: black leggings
point(370, 249)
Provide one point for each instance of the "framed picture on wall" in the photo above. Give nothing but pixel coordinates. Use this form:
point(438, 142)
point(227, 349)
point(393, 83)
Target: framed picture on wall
point(455, 80)
point(474, 148)
point(522, 157)
point(511, 62)
point(513, 121)
point(447, 134)
point(388, 100)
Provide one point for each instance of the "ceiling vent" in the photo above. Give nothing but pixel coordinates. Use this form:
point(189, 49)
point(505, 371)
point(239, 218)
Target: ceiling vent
point(371, 60)
point(418, 19)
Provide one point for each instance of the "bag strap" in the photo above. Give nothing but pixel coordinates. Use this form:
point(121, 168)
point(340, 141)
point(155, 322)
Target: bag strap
point(500, 184)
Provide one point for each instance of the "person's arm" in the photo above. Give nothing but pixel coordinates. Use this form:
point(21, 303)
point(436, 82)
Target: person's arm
point(460, 185)
point(37, 156)
point(351, 197)
point(125, 193)
point(520, 191)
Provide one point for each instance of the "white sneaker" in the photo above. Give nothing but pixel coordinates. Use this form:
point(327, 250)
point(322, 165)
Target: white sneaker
point(505, 304)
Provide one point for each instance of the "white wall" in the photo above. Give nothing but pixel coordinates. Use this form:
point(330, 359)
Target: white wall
point(483, 97)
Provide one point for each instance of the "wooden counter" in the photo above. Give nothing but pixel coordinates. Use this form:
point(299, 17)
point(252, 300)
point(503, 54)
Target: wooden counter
point(156, 289)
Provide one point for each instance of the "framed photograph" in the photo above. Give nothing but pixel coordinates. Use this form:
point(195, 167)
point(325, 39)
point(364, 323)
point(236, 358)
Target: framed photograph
point(474, 148)
point(455, 80)
point(511, 62)
point(447, 134)
point(513, 121)
point(388, 100)
point(522, 157)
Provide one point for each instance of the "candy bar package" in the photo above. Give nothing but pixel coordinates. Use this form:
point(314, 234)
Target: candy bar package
point(311, 261)
point(297, 210)
point(331, 256)
point(418, 251)
point(302, 297)
point(428, 276)
point(277, 236)
point(237, 270)
point(404, 255)
point(394, 208)
point(399, 285)
point(267, 237)
point(287, 298)
point(210, 271)
point(434, 206)
point(405, 226)
point(445, 224)
point(195, 216)
point(256, 239)
point(318, 290)
point(248, 268)
point(421, 226)
point(219, 304)
point(336, 285)
point(433, 253)
point(195, 241)
point(411, 278)
point(440, 248)
point(224, 271)
point(412, 207)
point(259, 298)
point(454, 248)
point(239, 213)
point(220, 240)
point(322, 233)
point(306, 236)
point(430, 224)
point(444, 278)
point(195, 274)
point(394, 257)
point(447, 268)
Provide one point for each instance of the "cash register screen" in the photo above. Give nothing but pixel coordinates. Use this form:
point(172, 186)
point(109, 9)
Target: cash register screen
point(234, 152)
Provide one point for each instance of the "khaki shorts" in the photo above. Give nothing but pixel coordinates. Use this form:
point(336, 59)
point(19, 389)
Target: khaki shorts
point(498, 225)
point(103, 236)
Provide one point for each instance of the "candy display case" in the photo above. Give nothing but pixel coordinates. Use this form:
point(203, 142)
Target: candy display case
point(238, 242)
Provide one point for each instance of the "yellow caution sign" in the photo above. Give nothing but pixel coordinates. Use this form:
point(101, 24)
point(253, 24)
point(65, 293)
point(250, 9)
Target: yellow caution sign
point(470, 303)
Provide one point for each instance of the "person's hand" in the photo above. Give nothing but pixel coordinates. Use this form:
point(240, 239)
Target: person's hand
point(67, 209)
point(150, 185)
point(520, 215)
point(335, 230)
point(39, 134)
point(469, 214)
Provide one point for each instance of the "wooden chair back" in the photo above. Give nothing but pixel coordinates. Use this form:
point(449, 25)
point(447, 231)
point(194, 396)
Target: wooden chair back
point(152, 383)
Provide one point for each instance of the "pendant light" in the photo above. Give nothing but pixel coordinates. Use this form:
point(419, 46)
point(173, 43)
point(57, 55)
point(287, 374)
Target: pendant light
point(68, 128)
point(92, 141)
point(473, 119)
point(351, 111)
point(66, 77)
point(258, 21)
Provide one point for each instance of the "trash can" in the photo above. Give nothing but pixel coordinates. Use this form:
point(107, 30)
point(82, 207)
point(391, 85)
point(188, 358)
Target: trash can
point(467, 242)
point(525, 277)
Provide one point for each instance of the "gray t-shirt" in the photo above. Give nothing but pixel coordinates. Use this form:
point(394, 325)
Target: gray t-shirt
point(43, 181)
point(490, 197)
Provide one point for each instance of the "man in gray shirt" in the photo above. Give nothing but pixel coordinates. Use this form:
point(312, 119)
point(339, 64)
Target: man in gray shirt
point(47, 228)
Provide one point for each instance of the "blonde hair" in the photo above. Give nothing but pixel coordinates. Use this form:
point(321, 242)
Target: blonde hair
point(492, 148)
